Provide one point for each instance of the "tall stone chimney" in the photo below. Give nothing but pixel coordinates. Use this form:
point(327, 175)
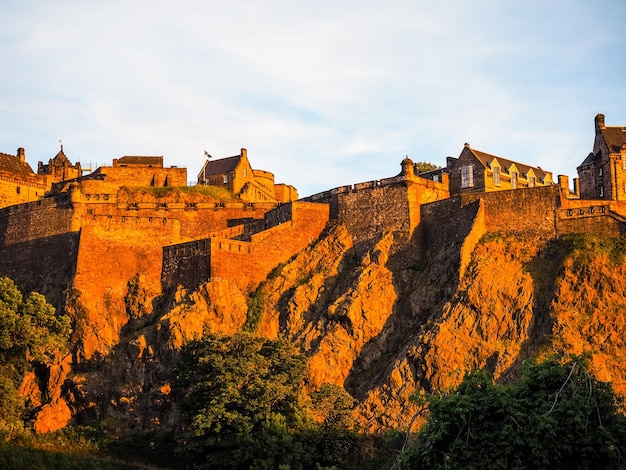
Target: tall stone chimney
point(600, 121)
point(21, 154)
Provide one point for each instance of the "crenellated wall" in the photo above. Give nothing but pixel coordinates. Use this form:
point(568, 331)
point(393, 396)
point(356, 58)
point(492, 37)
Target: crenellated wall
point(283, 232)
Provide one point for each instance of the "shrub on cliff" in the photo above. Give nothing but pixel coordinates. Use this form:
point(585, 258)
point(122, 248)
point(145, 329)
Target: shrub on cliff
point(556, 416)
point(242, 408)
point(30, 333)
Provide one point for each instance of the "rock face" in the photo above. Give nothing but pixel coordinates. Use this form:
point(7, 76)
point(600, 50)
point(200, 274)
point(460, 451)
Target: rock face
point(389, 318)
point(381, 306)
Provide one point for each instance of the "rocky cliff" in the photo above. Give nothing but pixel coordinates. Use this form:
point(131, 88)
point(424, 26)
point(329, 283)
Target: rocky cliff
point(386, 318)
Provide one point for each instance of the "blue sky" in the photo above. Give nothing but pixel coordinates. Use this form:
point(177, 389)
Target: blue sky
point(321, 93)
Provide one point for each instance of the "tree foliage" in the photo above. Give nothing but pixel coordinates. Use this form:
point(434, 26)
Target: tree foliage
point(30, 333)
point(556, 416)
point(235, 387)
point(423, 167)
point(243, 406)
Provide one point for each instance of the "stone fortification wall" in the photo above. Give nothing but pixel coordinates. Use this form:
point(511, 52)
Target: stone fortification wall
point(447, 222)
point(592, 216)
point(373, 207)
point(17, 190)
point(36, 220)
point(537, 212)
point(529, 211)
point(369, 211)
point(249, 264)
point(39, 244)
point(134, 175)
point(287, 230)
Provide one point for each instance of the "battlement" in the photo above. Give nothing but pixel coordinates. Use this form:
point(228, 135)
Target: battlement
point(324, 196)
point(259, 246)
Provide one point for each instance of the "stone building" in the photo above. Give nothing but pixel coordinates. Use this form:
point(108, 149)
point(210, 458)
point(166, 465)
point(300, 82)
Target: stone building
point(18, 181)
point(59, 169)
point(477, 172)
point(236, 174)
point(141, 171)
point(602, 175)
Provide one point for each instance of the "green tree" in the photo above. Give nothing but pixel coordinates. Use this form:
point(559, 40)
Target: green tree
point(236, 389)
point(555, 416)
point(423, 167)
point(30, 333)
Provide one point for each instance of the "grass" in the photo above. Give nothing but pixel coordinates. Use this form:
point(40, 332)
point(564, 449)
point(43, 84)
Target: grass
point(213, 192)
point(591, 246)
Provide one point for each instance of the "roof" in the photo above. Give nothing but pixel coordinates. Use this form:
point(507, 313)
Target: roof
point(486, 160)
point(223, 165)
point(12, 164)
point(614, 137)
point(60, 157)
point(136, 160)
point(589, 160)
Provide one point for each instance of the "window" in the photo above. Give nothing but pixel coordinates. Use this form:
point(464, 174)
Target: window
point(514, 180)
point(531, 181)
point(245, 172)
point(225, 179)
point(600, 171)
point(436, 178)
point(467, 176)
point(625, 186)
point(601, 191)
point(18, 189)
point(496, 175)
point(623, 162)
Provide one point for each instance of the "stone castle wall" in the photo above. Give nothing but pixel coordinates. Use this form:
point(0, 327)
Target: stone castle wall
point(39, 244)
point(285, 231)
point(391, 204)
point(538, 212)
point(18, 190)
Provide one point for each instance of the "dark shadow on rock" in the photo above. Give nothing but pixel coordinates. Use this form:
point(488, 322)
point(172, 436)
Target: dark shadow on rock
point(544, 269)
point(424, 277)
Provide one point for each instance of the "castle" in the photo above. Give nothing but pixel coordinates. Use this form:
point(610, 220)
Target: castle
point(94, 238)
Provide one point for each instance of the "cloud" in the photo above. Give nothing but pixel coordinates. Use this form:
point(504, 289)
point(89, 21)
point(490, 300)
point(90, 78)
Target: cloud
point(321, 94)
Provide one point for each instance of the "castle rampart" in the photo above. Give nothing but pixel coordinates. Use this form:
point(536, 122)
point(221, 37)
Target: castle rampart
point(283, 232)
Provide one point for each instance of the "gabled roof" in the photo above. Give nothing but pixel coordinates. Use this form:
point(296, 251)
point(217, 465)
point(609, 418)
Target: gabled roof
point(614, 137)
point(589, 160)
point(60, 157)
point(12, 164)
point(221, 166)
point(486, 160)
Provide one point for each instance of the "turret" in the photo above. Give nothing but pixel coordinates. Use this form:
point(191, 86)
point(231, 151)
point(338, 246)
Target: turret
point(408, 167)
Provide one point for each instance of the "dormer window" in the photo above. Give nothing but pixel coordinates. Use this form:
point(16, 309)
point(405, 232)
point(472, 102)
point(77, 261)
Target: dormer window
point(496, 175)
point(514, 180)
point(531, 181)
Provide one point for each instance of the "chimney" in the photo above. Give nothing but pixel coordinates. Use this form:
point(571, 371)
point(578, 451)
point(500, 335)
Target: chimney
point(600, 121)
point(564, 183)
point(244, 153)
point(21, 154)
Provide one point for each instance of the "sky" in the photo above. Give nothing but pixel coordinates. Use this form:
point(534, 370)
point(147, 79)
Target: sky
point(321, 93)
